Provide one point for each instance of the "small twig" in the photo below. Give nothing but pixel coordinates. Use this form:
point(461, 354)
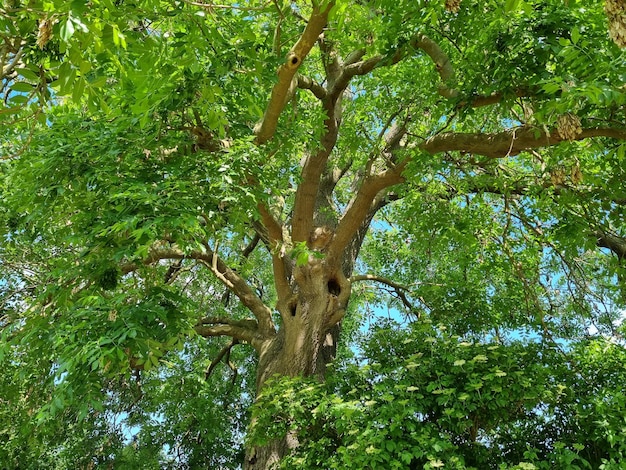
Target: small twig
point(512, 142)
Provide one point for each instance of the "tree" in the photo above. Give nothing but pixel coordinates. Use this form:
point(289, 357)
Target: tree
point(245, 172)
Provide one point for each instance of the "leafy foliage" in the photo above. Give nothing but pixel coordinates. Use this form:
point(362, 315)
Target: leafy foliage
point(423, 398)
point(165, 167)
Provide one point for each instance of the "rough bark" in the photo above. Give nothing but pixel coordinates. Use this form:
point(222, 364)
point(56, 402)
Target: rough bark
point(287, 78)
point(509, 142)
point(317, 305)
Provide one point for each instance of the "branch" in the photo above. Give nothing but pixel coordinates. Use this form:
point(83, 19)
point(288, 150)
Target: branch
point(442, 64)
point(430, 47)
point(273, 227)
point(307, 83)
point(614, 243)
point(241, 330)
point(247, 251)
point(330, 60)
point(348, 72)
point(478, 101)
point(314, 166)
point(509, 142)
point(173, 271)
point(359, 207)
point(399, 289)
point(211, 6)
point(6, 70)
point(394, 135)
point(382, 199)
point(367, 200)
point(306, 194)
point(265, 129)
point(276, 243)
point(354, 56)
point(154, 255)
point(224, 352)
point(245, 323)
point(240, 287)
point(229, 278)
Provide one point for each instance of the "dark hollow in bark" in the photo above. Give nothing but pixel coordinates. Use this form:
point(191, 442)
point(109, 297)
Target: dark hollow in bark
point(333, 287)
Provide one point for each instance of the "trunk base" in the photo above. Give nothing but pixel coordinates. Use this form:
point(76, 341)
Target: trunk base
point(267, 457)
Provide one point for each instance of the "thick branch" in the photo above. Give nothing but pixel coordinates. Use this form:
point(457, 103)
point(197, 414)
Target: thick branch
point(442, 63)
point(509, 142)
point(306, 194)
point(276, 246)
point(265, 129)
point(242, 330)
point(245, 323)
point(360, 206)
point(370, 195)
point(240, 287)
point(314, 166)
point(348, 72)
point(274, 229)
point(614, 243)
point(307, 83)
point(330, 60)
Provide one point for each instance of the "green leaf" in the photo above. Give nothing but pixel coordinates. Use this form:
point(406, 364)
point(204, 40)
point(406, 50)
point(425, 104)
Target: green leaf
point(79, 88)
point(302, 259)
point(67, 29)
point(27, 74)
point(16, 99)
point(22, 87)
point(511, 6)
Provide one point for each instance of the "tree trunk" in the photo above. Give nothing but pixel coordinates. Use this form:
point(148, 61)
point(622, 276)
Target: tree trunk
point(304, 345)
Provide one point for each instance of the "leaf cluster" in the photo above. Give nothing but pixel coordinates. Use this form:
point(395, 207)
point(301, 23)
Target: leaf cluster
point(422, 398)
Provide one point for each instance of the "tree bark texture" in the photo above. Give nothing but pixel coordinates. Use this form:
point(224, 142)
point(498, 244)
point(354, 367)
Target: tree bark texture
point(304, 344)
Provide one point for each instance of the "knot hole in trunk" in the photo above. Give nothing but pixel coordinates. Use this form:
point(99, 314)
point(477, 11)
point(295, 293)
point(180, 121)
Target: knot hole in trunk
point(333, 287)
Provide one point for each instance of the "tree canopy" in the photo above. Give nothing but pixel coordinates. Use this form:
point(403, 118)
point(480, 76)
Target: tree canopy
point(318, 234)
